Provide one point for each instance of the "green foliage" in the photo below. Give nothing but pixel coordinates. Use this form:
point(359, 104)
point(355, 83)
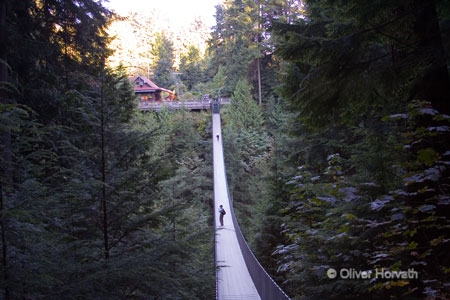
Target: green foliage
point(186, 199)
point(24, 164)
point(101, 202)
point(247, 153)
point(358, 57)
point(319, 224)
point(235, 40)
point(244, 113)
point(85, 177)
point(346, 66)
point(67, 255)
point(192, 68)
point(413, 233)
point(331, 219)
point(163, 60)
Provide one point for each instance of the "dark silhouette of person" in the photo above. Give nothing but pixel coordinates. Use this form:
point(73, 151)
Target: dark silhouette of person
point(222, 212)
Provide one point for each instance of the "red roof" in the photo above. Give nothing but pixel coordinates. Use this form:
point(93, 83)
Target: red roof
point(144, 85)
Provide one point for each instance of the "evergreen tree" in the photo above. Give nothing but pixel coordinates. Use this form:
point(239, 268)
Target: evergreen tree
point(24, 241)
point(80, 213)
point(349, 64)
point(186, 198)
point(163, 60)
point(42, 44)
point(115, 221)
point(244, 114)
point(191, 68)
point(235, 40)
point(247, 145)
point(377, 49)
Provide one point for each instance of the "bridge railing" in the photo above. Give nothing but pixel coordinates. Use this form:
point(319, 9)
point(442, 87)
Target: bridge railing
point(267, 288)
point(189, 105)
point(173, 105)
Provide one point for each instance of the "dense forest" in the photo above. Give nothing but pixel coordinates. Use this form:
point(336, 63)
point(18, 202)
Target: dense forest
point(336, 147)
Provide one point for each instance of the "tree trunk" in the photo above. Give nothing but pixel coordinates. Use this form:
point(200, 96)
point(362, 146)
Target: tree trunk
point(258, 62)
point(4, 247)
point(103, 171)
point(435, 85)
point(5, 138)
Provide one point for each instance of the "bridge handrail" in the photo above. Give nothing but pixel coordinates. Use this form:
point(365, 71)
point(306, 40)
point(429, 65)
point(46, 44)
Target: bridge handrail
point(267, 288)
point(179, 104)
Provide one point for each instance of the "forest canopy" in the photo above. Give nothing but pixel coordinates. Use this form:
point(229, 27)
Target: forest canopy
point(336, 146)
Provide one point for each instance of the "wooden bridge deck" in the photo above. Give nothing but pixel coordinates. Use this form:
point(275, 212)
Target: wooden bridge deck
point(175, 105)
point(233, 278)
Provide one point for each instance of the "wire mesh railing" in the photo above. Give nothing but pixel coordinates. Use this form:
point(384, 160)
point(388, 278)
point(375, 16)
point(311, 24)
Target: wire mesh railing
point(267, 288)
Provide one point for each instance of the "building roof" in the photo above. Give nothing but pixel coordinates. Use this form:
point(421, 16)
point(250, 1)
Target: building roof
point(144, 85)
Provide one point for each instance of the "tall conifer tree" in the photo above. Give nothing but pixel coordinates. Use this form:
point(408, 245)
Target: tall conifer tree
point(162, 51)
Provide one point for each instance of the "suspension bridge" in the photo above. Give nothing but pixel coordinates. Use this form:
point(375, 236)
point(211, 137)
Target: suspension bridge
point(239, 275)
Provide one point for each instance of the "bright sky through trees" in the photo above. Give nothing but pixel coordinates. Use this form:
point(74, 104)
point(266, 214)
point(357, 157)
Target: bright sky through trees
point(181, 11)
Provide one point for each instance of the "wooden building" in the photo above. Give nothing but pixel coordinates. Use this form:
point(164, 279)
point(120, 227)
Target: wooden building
point(149, 92)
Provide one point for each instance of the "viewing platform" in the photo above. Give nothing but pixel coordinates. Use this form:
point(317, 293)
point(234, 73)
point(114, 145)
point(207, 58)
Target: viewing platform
point(193, 104)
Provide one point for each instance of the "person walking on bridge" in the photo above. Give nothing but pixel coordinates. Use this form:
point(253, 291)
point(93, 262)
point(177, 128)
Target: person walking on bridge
point(222, 212)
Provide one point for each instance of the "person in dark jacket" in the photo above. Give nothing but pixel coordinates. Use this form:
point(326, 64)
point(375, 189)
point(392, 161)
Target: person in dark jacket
point(222, 212)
